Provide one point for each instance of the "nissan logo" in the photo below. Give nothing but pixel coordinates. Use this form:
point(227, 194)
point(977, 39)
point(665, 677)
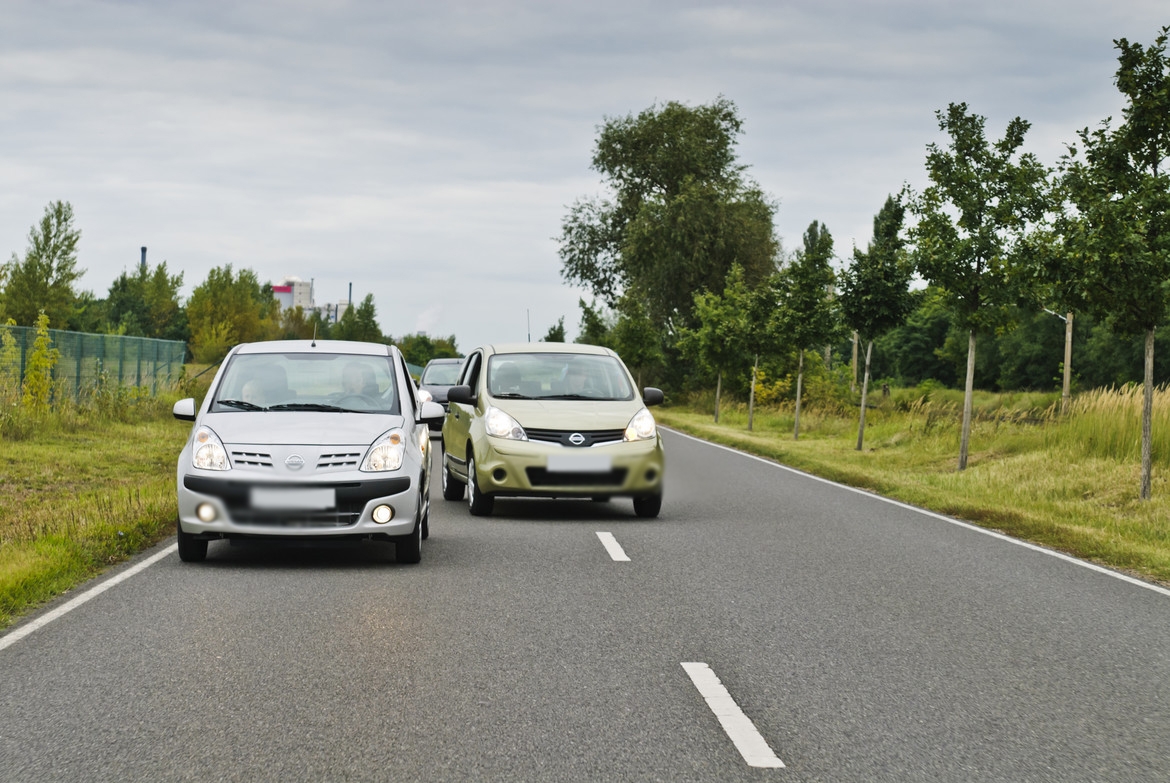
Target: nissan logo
point(576, 439)
point(295, 462)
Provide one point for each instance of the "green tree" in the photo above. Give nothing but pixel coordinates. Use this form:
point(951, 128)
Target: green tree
point(420, 348)
point(717, 338)
point(681, 213)
point(146, 304)
point(634, 338)
point(875, 289)
point(360, 323)
point(807, 314)
point(971, 223)
point(596, 325)
point(1117, 233)
point(555, 333)
point(38, 372)
point(227, 309)
point(43, 280)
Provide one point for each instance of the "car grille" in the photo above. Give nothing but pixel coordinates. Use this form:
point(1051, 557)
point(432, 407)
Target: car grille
point(540, 477)
point(342, 517)
point(351, 499)
point(592, 437)
point(252, 458)
point(338, 460)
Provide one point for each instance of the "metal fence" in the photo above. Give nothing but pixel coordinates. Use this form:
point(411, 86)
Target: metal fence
point(88, 361)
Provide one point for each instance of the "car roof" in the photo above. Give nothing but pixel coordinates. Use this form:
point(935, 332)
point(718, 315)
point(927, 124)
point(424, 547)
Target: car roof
point(543, 347)
point(445, 360)
point(316, 346)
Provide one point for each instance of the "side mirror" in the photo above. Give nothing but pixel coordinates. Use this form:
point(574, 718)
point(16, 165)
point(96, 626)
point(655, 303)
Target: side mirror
point(431, 412)
point(184, 409)
point(652, 396)
point(461, 395)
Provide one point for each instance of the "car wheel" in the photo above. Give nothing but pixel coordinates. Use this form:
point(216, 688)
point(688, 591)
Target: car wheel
point(452, 487)
point(648, 506)
point(408, 548)
point(191, 549)
point(478, 503)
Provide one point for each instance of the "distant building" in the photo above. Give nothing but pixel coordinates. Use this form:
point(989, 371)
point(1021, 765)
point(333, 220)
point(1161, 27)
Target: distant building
point(294, 292)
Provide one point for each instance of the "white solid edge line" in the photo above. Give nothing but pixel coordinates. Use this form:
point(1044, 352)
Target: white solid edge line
point(739, 727)
point(934, 515)
point(613, 547)
point(93, 592)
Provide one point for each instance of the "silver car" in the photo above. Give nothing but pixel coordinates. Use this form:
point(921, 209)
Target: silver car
point(299, 439)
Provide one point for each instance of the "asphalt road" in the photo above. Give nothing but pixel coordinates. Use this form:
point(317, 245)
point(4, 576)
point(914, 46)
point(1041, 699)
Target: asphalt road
point(858, 640)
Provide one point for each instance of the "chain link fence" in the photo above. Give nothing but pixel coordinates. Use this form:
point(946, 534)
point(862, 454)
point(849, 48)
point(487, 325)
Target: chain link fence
point(89, 361)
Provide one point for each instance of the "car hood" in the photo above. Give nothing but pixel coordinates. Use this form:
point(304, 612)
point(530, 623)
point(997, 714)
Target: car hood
point(310, 428)
point(571, 414)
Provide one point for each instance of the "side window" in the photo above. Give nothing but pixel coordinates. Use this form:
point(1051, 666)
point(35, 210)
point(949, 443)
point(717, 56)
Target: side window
point(471, 372)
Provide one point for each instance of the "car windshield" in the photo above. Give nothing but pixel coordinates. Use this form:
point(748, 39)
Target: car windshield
point(331, 382)
point(557, 376)
point(445, 374)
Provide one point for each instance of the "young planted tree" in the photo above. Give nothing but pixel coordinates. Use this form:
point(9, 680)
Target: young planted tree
point(971, 223)
point(1117, 233)
point(555, 333)
point(875, 289)
point(807, 317)
point(43, 280)
point(720, 337)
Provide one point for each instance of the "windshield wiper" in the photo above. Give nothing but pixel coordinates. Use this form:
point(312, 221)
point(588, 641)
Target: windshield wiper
point(242, 405)
point(512, 396)
point(312, 406)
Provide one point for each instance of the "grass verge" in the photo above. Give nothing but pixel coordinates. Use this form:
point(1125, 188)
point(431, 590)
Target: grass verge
point(1022, 478)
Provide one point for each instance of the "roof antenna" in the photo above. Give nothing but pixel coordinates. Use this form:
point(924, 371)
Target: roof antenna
point(314, 343)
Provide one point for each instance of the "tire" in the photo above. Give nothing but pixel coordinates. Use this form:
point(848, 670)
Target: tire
point(408, 548)
point(452, 487)
point(191, 549)
point(648, 506)
point(425, 524)
point(479, 504)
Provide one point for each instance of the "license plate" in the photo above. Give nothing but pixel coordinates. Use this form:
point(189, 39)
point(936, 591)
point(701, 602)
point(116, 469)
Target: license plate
point(298, 499)
point(579, 463)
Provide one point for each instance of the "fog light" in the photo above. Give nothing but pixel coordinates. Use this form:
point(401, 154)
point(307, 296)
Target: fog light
point(205, 512)
point(383, 514)
point(499, 474)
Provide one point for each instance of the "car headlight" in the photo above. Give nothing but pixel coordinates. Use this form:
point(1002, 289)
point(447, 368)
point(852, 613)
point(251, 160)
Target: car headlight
point(641, 427)
point(500, 425)
point(207, 451)
point(386, 453)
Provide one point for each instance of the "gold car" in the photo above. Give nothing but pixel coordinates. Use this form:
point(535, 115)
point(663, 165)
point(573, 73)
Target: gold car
point(550, 420)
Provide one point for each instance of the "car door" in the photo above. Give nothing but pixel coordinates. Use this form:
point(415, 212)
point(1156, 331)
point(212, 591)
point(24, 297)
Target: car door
point(457, 425)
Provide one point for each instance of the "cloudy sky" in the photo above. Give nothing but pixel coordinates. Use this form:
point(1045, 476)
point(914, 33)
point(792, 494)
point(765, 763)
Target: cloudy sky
point(428, 152)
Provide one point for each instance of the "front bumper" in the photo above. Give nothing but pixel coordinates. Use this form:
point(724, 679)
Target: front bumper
point(350, 513)
point(524, 468)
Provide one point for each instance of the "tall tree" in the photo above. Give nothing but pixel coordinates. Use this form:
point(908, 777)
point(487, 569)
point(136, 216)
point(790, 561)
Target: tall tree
point(226, 309)
point(596, 326)
point(807, 312)
point(43, 280)
point(875, 289)
point(1117, 234)
point(681, 212)
point(972, 219)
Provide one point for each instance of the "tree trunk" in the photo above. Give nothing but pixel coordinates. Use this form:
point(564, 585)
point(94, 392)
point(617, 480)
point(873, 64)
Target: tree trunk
point(1147, 417)
point(799, 383)
point(864, 392)
point(968, 395)
point(718, 389)
point(1068, 332)
point(752, 394)
point(853, 384)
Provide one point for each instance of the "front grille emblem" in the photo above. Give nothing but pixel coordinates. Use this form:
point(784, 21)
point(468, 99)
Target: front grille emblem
point(295, 462)
point(576, 439)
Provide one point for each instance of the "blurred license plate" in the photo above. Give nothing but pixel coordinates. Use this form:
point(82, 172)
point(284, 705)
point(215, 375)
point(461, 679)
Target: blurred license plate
point(293, 498)
point(579, 463)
